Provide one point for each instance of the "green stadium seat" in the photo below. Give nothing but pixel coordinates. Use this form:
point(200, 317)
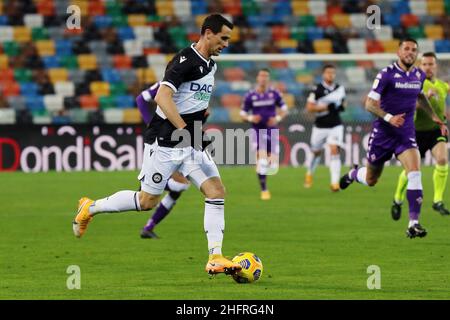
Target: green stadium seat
point(39, 33)
point(22, 75)
point(79, 115)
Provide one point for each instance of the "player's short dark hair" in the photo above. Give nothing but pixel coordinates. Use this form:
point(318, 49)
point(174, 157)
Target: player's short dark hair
point(328, 66)
point(407, 40)
point(430, 54)
point(214, 22)
point(264, 69)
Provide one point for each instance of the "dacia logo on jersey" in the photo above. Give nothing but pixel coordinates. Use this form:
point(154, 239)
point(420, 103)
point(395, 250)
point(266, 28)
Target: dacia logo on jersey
point(202, 92)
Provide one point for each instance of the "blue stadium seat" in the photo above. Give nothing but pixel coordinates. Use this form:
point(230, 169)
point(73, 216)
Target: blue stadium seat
point(34, 102)
point(111, 75)
point(63, 47)
point(220, 114)
point(125, 33)
point(61, 120)
point(198, 7)
point(392, 19)
point(125, 101)
point(442, 46)
point(3, 20)
point(29, 88)
point(102, 21)
point(288, 50)
point(314, 33)
point(283, 8)
point(400, 7)
point(51, 62)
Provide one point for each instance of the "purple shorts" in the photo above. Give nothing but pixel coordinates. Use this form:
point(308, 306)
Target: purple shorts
point(266, 139)
point(385, 143)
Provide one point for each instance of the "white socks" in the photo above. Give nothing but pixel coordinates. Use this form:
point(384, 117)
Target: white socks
point(126, 200)
point(168, 202)
point(313, 164)
point(214, 224)
point(262, 166)
point(335, 168)
point(361, 175)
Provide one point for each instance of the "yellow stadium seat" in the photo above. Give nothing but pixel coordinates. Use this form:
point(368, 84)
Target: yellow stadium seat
point(435, 7)
point(199, 19)
point(83, 5)
point(300, 7)
point(390, 46)
point(22, 34)
point(146, 75)
point(305, 78)
point(287, 43)
point(1, 7)
point(341, 20)
point(99, 88)
point(235, 34)
point(132, 116)
point(164, 8)
point(3, 61)
point(434, 32)
point(289, 99)
point(136, 20)
point(87, 61)
point(45, 47)
point(235, 114)
point(323, 46)
point(58, 75)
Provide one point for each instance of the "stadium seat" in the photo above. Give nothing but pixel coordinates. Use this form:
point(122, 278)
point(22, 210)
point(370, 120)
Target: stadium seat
point(46, 8)
point(107, 102)
point(442, 46)
point(318, 7)
point(34, 102)
point(355, 75)
point(146, 75)
point(4, 62)
point(99, 88)
point(144, 33)
point(121, 62)
point(234, 74)
point(124, 101)
point(374, 46)
point(6, 33)
point(357, 45)
point(133, 48)
point(409, 20)
point(58, 74)
point(127, 76)
point(358, 20)
point(6, 75)
point(113, 116)
point(41, 116)
point(426, 45)
point(22, 75)
point(324, 21)
point(384, 33)
point(323, 46)
point(53, 102)
point(164, 8)
point(341, 20)
point(232, 8)
point(64, 88)
point(117, 88)
point(96, 8)
point(102, 21)
point(87, 61)
point(7, 116)
point(29, 88)
point(77, 76)
point(135, 20)
point(10, 89)
point(22, 34)
point(418, 7)
point(435, 7)
point(231, 100)
point(416, 32)
point(89, 102)
point(434, 32)
point(33, 20)
point(390, 46)
point(79, 116)
point(10, 48)
point(132, 116)
point(45, 47)
point(16, 102)
point(182, 8)
point(51, 62)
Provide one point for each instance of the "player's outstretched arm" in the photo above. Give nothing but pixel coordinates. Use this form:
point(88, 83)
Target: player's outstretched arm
point(165, 102)
point(373, 107)
point(425, 105)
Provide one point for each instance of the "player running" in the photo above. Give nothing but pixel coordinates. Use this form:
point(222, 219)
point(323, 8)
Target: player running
point(393, 98)
point(429, 137)
point(260, 108)
point(182, 100)
point(327, 101)
point(177, 182)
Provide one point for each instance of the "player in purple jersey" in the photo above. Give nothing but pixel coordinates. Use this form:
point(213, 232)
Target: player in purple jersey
point(395, 92)
point(260, 108)
point(177, 183)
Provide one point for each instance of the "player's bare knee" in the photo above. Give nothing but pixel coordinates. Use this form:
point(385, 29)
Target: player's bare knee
point(441, 161)
point(217, 191)
point(146, 201)
point(372, 181)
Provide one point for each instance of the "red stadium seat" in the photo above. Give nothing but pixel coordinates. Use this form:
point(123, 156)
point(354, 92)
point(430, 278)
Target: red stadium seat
point(122, 62)
point(280, 33)
point(7, 75)
point(234, 74)
point(45, 7)
point(96, 8)
point(374, 46)
point(409, 20)
point(10, 89)
point(89, 102)
point(324, 21)
point(232, 7)
point(231, 100)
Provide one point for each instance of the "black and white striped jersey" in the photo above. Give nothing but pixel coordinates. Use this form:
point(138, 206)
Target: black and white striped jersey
point(191, 77)
point(333, 95)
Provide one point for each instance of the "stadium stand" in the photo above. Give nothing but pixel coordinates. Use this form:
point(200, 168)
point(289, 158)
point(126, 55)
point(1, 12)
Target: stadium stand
point(49, 73)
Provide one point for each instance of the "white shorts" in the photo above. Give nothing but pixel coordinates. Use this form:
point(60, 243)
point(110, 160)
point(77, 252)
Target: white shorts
point(159, 163)
point(322, 136)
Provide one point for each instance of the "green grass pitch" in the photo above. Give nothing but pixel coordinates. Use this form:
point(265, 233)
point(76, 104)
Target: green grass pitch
point(313, 244)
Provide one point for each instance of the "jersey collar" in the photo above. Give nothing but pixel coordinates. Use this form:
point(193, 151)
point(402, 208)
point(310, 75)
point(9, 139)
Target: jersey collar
point(201, 57)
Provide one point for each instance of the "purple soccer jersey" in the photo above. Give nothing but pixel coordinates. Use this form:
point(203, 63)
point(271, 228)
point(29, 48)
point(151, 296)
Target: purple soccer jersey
point(397, 91)
point(143, 99)
point(265, 105)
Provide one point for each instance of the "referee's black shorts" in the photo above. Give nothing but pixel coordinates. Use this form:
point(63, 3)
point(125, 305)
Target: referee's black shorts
point(426, 140)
